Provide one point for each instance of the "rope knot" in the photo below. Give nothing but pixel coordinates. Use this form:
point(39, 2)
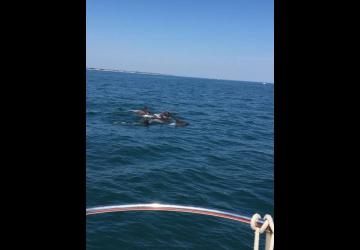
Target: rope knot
point(268, 223)
point(269, 219)
point(253, 223)
point(254, 219)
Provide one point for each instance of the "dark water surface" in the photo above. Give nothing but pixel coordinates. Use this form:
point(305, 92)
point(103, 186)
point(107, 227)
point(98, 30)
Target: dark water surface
point(222, 160)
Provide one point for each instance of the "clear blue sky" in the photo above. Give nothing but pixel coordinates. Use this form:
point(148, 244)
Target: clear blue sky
point(226, 39)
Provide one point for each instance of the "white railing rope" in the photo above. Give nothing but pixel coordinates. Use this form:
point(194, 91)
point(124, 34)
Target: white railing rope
point(257, 224)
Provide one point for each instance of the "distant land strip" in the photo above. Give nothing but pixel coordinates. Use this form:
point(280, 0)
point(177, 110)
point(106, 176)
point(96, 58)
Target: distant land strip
point(159, 74)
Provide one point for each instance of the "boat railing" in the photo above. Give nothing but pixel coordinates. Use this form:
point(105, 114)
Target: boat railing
point(258, 224)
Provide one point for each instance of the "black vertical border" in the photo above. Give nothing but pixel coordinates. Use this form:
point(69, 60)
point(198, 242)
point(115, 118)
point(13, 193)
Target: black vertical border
point(47, 185)
point(305, 192)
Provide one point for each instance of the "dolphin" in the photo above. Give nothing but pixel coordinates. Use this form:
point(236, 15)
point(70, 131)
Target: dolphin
point(163, 117)
point(180, 123)
point(142, 112)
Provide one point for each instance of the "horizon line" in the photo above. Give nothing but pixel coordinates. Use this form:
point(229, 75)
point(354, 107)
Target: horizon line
point(161, 74)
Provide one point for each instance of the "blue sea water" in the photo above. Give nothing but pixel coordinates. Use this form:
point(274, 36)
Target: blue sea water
point(222, 160)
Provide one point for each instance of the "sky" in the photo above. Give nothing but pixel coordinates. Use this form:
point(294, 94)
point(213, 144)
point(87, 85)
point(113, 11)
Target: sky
point(221, 39)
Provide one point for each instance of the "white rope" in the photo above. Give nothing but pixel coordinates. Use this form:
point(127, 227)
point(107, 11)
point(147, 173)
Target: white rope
point(253, 222)
point(270, 233)
point(268, 223)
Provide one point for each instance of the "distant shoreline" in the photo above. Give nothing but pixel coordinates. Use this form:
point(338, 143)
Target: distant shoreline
point(159, 74)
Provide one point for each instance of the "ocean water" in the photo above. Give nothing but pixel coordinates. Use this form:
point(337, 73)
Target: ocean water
point(222, 160)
